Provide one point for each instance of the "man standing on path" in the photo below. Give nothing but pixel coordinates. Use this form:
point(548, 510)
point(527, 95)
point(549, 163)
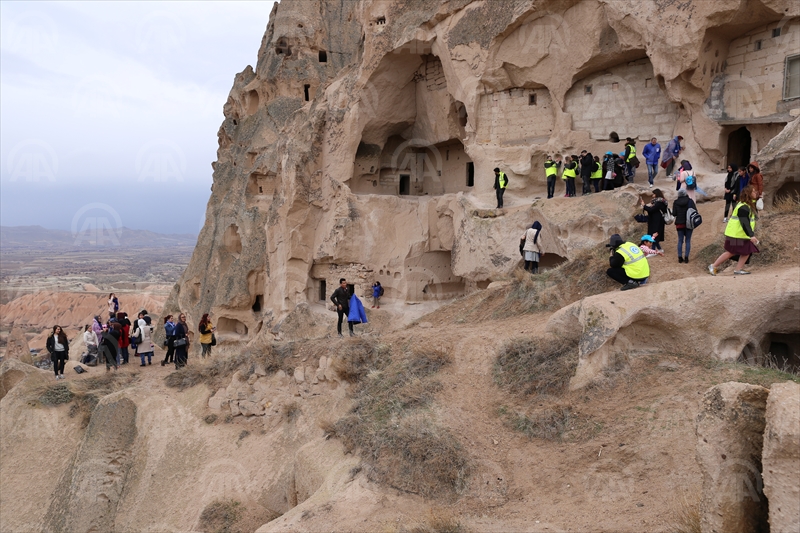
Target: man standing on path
point(671, 154)
point(587, 164)
point(341, 299)
point(652, 154)
point(500, 184)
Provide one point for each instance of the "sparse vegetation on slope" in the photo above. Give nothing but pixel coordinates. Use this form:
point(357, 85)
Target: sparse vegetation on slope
point(395, 432)
point(536, 366)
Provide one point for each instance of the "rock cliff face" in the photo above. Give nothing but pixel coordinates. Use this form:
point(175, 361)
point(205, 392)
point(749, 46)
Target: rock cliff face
point(362, 144)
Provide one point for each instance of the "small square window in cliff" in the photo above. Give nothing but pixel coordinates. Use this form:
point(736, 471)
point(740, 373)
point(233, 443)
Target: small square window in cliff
point(258, 303)
point(380, 21)
point(587, 89)
point(306, 89)
point(282, 47)
point(776, 32)
point(470, 174)
point(648, 82)
point(757, 45)
point(532, 99)
point(615, 86)
point(323, 56)
point(323, 290)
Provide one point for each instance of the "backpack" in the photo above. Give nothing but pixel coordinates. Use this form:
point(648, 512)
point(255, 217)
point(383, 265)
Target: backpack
point(690, 181)
point(693, 218)
point(669, 218)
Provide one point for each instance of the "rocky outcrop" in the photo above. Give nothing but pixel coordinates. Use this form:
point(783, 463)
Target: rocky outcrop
point(730, 429)
point(17, 346)
point(698, 313)
point(88, 495)
point(780, 164)
point(781, 457)
point(362, 143)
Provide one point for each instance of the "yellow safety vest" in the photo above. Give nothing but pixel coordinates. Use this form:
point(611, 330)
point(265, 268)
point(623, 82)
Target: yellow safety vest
point(550, 168)
point(597, 174)
point(569, 173)
point(734, 227)
point(503, 180)
point(635, 265)
point(632, 154)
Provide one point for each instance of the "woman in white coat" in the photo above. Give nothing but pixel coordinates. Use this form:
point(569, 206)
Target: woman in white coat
point(145, 346)
point(532, 250)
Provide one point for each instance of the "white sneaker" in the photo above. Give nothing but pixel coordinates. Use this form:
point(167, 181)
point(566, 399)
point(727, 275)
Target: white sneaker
point(725, 220)
point(651, 185)
point(712, 270)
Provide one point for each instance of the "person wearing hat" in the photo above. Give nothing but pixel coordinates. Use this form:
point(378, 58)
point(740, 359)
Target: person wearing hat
point(500, 184)
point(628, 263)
point(648, 246)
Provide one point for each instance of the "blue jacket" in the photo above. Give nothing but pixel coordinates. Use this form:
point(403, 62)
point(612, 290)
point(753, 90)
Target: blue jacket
point(357, 313)
point(673, 149)
point(651, 153)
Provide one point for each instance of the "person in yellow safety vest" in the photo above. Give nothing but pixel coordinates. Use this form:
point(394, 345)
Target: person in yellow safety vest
point(551, 173)
point(500, 184)
point(597, 173)
point(631, 161)
point(628, 263)
point(740, 236)
point(569, 175)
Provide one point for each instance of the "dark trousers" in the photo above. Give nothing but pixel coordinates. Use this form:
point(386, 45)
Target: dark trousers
point(608, 185)
point(551, 186)
point(684, 236)
point(571, 186)
point(596, 183)
point(499, 193)
point(124, 355)
point(149, 356)
point(587, 186)
point(181, 356)
point(532, 266)
point(343, 315)
point(618, 274)
point(59, 362)
point(728, 206)
point(170, 357)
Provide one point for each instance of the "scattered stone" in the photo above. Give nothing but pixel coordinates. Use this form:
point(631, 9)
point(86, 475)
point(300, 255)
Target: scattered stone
point(299, 375)
point(781, 457)
point(730, 428)
point(252, 379)
point(260, 370)
point(669, 365)
point(235, 411)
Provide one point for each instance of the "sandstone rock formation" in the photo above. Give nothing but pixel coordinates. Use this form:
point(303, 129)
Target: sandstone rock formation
point(17, 346)
point(730, 429)
point(363, 142)
point(781, 457)
point(697, 313)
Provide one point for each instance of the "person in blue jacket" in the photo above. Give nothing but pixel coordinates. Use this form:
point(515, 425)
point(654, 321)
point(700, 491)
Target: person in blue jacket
point(652, 155)
point(670, 156)
point(357, 314)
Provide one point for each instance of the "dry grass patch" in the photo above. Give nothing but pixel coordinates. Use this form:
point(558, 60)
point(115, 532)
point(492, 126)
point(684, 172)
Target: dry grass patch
point(686, 515)
point(582, 276)
point(231, 516)
point(560, 423)
point(84, 395)
point(536, 366)
point(394, 431)
point(354, 359)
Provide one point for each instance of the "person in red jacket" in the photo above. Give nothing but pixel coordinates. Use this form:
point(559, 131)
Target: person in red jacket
point(756, 179)
point(124, 340)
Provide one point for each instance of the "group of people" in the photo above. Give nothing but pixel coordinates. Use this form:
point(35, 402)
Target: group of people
point(113, 341)
point(615, 170)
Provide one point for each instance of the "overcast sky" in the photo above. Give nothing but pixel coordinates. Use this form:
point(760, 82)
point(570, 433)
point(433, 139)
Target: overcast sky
point(109, 111)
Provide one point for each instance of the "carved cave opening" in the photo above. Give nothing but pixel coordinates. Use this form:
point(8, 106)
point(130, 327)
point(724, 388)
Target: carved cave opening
point(231, 326)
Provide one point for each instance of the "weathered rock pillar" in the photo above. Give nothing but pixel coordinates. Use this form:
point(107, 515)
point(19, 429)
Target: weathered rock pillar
point(781, 458)
point(730, 429)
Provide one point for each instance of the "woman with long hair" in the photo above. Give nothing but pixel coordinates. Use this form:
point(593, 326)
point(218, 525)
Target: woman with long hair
point(206, 329)
point(531, 248)
point(740, 236)
point(58, 346)
point(680, 208)
point(90, 341)
point(181, 342)
point(124, 339)
point(656, 210)
point(113, 305)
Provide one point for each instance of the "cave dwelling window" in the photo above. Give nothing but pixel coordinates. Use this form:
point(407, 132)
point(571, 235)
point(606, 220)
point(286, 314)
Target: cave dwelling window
point(791, 83)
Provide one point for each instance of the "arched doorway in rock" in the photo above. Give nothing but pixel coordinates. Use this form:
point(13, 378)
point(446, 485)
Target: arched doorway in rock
point(739, 144)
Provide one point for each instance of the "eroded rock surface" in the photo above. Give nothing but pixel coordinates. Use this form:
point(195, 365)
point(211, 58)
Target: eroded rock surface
point(730, 429)
point(781, 457)
point(362, 143)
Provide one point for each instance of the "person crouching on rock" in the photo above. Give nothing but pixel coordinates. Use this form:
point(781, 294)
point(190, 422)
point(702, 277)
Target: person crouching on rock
point(628, 263)
point(58, 347)
point(531, 248)
point(341, 299)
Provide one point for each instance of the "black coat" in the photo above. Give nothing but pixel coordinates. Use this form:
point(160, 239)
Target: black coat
point(655, 218)
point(50, 344)
point(587, 164)
point(679, 208)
